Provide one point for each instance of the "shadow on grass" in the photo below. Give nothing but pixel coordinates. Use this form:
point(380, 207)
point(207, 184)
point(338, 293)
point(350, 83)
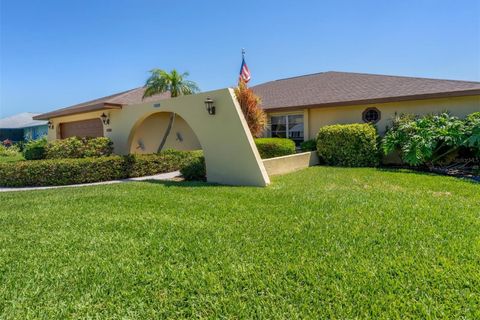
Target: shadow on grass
point(195, 184)
point(408, 170)
point(400, 170)
point(189, 184)
point(183, 183)
point(425, 172)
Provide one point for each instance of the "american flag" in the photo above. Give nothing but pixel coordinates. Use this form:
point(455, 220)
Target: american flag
point(244, 72)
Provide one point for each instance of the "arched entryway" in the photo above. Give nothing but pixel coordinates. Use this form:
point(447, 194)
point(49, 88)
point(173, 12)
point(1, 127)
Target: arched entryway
point(148, 133)
point(231, 156)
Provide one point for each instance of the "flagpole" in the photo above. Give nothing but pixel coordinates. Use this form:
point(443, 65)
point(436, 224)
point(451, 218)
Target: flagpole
point(243, 53)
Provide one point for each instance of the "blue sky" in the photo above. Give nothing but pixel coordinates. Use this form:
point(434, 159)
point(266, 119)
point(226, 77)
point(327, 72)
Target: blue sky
point(58, 53)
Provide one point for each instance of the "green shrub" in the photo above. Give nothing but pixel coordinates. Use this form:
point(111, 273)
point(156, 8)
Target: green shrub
point(194, 169)
point(351, 145)
point(85, 170)
point(472, 132)
point(75, 147)
point(434, 139)
point(20, 145)
point(309, 145)
point(97, 147)
point(274, 147)
point(165, 161)
point(12, 151)
point(35, 149)
point(61, 171)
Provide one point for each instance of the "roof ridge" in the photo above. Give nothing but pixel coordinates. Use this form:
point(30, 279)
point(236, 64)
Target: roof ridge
point(303, 75)
point(407, 77)
point(115, 95)
point(367, 74)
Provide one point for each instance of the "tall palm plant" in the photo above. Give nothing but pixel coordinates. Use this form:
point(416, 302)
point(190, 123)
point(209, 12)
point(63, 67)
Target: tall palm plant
point(161, 81)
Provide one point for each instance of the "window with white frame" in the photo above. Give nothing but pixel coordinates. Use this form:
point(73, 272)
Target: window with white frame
point(287, 126)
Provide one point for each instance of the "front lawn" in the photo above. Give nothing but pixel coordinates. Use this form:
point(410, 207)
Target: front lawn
point(319, 243)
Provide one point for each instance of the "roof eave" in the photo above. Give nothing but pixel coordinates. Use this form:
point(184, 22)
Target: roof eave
point(451, 94)
point(74, 111)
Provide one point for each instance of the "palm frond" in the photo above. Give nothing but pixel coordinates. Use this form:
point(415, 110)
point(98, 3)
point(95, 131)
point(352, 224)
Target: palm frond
point(161, 81)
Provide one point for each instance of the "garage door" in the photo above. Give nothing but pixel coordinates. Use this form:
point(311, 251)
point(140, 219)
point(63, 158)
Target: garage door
point(84, 128)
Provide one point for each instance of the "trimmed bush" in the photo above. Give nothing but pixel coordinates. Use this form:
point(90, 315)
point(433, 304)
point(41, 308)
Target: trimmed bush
point(35, 149)
point(165, 161)
point(274, 147)
point(194, 168)
point(74, 171)
point(351, 145)
point(75, 147)
point(61, 171)
point(309, 145)
point(97, 147)
point(9, 151)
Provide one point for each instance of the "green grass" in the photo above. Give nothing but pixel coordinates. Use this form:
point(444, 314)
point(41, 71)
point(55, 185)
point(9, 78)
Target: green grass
point(319, 243)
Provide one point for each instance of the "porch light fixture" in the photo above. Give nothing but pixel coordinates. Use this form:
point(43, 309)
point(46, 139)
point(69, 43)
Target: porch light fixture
point(105, 119)
point(209, 106)
point(50, 124)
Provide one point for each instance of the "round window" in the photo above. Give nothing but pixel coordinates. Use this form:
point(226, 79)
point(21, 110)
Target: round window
point(371, 115)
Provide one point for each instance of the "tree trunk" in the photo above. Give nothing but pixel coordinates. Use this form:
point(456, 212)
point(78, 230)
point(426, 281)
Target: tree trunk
point(167, 132)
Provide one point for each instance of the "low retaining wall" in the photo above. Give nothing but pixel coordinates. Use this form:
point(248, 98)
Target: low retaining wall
point(293, 162)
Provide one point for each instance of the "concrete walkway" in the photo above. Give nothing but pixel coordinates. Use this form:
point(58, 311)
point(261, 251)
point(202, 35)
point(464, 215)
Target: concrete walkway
point(162, 176)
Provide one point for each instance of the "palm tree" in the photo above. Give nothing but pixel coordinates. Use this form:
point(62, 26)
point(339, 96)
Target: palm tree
point(174, 82)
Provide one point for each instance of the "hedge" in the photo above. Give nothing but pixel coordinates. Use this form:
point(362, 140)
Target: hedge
point(274, 147)
point(72, 147)
point(86, 170)
point(75, 147)
point(351, 145)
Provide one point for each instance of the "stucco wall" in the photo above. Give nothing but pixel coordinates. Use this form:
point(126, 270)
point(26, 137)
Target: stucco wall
point(150, 132)
point(459, 106)
point(230, 153)
point(290, 163)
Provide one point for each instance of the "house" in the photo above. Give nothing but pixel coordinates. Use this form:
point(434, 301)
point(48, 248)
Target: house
point(296, 107)
point(22, 127)
point(103, 117)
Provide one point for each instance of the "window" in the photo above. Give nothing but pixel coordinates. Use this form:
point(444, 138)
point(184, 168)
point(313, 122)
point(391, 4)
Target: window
point(287, 126)
point(371, 115)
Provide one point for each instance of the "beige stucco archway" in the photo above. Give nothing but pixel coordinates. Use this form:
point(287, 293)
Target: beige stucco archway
point(147, 134)
point(230, 153)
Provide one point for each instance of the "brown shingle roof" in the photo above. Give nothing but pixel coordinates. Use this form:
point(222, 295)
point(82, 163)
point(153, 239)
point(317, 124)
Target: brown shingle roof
point(343, 88)
point(314, 90)
point(115, 101)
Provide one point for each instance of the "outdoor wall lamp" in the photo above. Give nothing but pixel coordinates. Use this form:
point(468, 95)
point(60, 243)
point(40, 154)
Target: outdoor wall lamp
point(50, 124)
point(105, 119)
point(209, 106)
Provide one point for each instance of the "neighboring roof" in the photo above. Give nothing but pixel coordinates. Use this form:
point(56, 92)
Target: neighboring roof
point(345, 88)
point(115, 101)
point(21, 120)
